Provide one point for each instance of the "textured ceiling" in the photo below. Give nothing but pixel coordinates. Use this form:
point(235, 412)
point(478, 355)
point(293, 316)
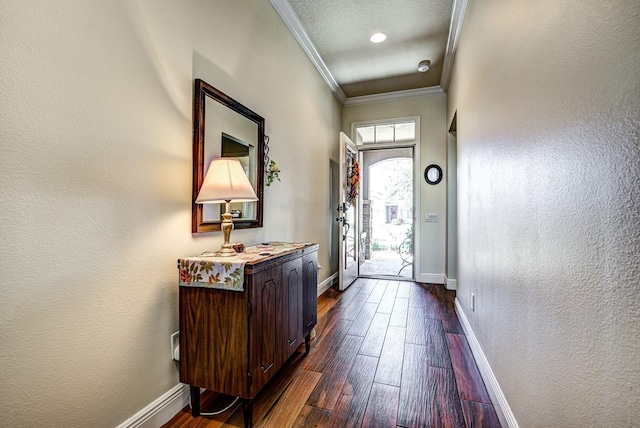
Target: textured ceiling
point(340, 30)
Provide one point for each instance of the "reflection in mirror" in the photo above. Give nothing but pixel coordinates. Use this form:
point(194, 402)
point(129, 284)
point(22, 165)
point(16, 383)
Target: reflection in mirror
point(225, 128)
point(225, 133)
point(235, 148)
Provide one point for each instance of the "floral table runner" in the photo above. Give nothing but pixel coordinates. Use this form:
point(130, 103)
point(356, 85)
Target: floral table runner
point(211, 271)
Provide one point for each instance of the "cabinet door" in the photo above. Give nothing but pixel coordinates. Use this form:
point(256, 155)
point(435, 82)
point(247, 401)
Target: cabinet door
point(213, 341)
point(292, 285)
point(265, 333)
point(309, 292)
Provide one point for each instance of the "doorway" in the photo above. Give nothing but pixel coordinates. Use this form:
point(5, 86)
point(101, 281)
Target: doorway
point(387, 215)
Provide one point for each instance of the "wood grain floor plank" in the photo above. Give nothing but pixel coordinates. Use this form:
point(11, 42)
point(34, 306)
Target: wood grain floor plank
point(272, 392)
point(415, 326)
point(328, 342)
point(470, 384)
point(436, 343)
point(312, 417)
point(351, 405)
point(388, 299)
point(450, 321)
point(393, 285)
point(345, 299)
point(421, 296)
point(378, 291)
point(324, 325)
point(352, 311)
point(443, 295)
point(327, 303)
point(399, 313)
point(359, 282)
point(446, 308)
point(480, 415)
point(361, 324)
point(382, 409)
point(404, 289)
point(428, 395)
point(390, 365)
point(373, 341)
point(413, 409)
point(407, 389)
point(334, 374)
point(417, 293)
point(446, 409)
point(368, 286)
point(349, 294)
point(285, 411)
point(209, 402)
point(430, 333)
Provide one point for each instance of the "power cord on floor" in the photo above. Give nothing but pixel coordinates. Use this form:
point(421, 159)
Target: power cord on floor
point(219, 411)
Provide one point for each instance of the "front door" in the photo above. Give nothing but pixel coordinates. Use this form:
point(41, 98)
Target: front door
point(348, 211)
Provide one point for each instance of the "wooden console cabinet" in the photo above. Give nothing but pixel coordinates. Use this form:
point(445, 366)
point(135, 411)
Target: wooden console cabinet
point(233, 342)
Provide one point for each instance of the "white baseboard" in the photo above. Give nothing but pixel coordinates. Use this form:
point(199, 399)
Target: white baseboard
point(502, 408)
point(431, 278)
point(450, 283)
point(161, 410)
point(171, 402)
point(327, 283)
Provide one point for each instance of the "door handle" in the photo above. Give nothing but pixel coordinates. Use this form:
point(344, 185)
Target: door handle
point(346, 232)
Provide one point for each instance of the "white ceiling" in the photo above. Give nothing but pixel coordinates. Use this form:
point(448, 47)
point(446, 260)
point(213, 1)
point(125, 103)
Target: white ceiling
point(335, 35)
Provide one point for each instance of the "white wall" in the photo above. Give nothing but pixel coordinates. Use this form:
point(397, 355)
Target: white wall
point(433, 149)
point(95, 186)
point(547, 98)
point(451, 262)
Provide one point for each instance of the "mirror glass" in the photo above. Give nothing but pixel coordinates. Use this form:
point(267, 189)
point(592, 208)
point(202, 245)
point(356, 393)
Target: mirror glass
point(225, 128)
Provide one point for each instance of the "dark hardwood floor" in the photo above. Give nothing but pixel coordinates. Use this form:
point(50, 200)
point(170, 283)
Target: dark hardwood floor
point(386, 354)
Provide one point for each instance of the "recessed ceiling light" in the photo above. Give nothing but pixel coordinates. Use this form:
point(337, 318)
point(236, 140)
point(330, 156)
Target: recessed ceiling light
point(378, 37)
point(423, 66)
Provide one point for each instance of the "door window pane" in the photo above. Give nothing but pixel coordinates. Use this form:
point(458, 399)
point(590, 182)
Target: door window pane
point(365, 135)
point(386, 133)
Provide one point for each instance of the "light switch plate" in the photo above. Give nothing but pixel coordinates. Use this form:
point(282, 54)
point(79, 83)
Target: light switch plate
point(431, 217)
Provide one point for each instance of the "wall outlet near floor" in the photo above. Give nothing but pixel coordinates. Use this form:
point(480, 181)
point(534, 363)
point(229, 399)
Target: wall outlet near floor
point(473, 302)
point(175, 343)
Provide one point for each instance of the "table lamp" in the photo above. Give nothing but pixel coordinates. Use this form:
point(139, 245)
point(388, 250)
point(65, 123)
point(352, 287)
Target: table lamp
point(226, 182)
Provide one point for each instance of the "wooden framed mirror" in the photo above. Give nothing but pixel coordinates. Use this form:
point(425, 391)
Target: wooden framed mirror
point(222, 127)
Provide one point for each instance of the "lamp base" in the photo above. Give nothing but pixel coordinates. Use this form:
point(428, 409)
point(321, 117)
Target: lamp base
point(226, 250)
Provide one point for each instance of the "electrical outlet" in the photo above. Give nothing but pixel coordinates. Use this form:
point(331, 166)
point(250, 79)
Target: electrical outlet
point(175, 342)
point(473, 302)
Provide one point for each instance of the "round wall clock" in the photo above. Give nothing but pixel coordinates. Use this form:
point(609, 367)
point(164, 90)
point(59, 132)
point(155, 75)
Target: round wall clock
point(433, 174)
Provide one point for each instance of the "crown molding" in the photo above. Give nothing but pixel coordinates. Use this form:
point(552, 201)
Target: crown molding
point(291, 20)
point(394, 96)
point(457, 17)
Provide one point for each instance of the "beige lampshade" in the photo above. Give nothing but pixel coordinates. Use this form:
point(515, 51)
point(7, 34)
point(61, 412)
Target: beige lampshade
point(225, 181)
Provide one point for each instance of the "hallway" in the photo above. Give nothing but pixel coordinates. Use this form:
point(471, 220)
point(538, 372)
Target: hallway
point(387, 354)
